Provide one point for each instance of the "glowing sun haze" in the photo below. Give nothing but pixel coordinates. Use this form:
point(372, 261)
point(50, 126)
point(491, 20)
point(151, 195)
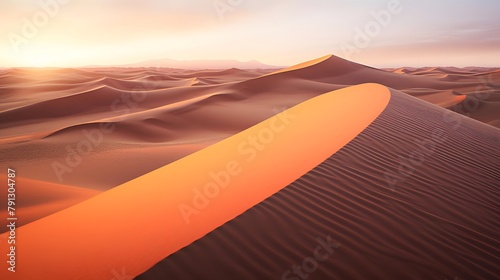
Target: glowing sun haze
point(72, 33)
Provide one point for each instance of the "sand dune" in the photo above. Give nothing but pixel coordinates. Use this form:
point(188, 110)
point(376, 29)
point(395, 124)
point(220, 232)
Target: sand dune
point(53, 110)
point(249, 175)
point(439, 220)
point(107, 126)
point(444, 98)
point(335, 70)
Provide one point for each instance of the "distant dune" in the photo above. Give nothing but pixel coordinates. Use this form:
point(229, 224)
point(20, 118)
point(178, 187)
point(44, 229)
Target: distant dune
point(37, 199)
point(201, 64)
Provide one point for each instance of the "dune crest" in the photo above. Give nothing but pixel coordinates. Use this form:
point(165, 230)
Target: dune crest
point(304, 64)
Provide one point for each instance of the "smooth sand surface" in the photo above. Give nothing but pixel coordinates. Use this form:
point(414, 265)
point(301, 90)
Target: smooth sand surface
point(125, 226)
point(35, 199)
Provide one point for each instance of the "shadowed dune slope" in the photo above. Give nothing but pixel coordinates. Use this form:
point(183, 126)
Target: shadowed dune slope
point(414, 196)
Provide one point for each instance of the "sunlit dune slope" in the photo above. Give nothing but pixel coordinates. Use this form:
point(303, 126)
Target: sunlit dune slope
point(36, 199)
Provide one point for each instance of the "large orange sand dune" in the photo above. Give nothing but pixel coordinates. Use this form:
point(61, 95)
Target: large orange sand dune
point(138, 223)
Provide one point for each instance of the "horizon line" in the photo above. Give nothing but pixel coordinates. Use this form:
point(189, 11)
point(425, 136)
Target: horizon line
point(254, 60)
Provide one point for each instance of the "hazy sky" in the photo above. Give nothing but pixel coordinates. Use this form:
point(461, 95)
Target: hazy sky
point(278, 32)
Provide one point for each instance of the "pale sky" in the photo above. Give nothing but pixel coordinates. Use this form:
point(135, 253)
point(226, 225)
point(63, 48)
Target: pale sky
point(279, 32)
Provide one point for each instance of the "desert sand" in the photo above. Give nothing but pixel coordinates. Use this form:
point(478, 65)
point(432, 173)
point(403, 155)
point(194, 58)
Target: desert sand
point(439, 220)
point(232, 176)
point(414, 195)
